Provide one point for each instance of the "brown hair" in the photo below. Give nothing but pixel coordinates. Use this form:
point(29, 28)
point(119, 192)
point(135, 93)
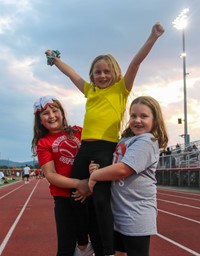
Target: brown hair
point(39, 131)
point(159, 130)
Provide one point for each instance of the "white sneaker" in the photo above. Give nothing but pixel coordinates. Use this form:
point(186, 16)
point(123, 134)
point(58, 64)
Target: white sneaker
point(88, 251)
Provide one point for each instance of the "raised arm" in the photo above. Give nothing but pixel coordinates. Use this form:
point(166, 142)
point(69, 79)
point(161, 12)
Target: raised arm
point(68, 71)
point(157, 31)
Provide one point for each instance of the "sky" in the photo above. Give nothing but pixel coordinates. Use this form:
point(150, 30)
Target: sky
point(82, 30)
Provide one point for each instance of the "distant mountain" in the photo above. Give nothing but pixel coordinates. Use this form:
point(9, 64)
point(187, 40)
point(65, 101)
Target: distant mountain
point(10, 163)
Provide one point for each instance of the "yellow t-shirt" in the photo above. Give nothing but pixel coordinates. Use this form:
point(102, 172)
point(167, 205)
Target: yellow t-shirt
point(104, 111)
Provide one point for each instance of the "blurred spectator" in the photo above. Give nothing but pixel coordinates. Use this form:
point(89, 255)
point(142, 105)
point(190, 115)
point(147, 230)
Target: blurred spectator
point(194, 147)
point(37, 174)
point(168, 158)
point(178, 148)
point(26, 174)
point(195, 152)
point(3, 177)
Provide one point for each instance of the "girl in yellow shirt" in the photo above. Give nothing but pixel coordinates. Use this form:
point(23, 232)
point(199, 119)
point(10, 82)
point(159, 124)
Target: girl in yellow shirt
point(106, 95)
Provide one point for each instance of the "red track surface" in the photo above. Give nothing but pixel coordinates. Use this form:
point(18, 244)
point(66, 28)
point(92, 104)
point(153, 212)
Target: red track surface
point(27, 225)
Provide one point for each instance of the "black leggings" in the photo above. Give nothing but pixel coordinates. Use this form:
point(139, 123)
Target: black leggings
point(65, 226)
point(101, 152)
point(132, 245)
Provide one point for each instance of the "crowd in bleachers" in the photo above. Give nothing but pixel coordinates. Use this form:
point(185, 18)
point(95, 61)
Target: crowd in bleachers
point(180, 156)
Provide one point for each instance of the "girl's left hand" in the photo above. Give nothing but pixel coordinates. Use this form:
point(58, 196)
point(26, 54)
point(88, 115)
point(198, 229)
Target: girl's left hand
point(157, 29)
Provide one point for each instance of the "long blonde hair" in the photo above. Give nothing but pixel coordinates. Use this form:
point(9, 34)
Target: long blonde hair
point(159, 130)
point(113, 64)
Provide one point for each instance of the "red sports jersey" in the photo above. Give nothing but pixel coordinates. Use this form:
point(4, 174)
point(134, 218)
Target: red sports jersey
point(62, 150)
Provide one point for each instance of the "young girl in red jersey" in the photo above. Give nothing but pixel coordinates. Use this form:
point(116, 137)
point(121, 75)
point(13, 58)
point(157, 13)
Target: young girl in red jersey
point(56, 144)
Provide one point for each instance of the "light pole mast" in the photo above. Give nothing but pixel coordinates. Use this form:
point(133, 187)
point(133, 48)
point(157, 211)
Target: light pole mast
point(187, 139)
point(180, 23)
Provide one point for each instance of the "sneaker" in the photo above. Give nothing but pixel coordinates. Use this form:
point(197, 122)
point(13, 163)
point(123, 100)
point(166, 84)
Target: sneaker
point(88, 251)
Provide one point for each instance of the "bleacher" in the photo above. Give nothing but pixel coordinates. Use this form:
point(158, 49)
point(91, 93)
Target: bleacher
point(181, 156)
point(180, 166)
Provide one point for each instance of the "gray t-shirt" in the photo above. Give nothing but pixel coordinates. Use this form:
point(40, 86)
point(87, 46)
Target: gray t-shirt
point(134, 201)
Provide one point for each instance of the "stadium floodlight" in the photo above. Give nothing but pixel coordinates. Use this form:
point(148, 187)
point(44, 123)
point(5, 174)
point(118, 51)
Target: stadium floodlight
point(180, 23)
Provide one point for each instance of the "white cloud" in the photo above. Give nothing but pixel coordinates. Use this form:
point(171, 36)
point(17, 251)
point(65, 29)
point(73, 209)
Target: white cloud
point(5, 24)
point(28, 28)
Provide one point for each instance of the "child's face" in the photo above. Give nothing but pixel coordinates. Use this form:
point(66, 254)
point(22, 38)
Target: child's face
point(102, 75)
point(141, 119)
point(51, 118)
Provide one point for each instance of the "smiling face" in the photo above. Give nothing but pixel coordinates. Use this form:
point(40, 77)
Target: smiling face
point(102, 75)
point(52, 119)
point(141, 119)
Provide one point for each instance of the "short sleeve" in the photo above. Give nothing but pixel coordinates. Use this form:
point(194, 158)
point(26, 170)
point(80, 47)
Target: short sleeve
point(44, 153)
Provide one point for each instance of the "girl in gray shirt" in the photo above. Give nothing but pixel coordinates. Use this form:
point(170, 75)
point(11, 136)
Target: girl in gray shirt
point(133, 174)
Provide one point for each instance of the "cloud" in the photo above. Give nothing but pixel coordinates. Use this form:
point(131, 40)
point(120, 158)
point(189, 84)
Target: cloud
point(81, 30)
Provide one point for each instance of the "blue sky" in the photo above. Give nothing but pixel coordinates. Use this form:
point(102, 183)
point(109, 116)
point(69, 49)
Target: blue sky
point(81, 30)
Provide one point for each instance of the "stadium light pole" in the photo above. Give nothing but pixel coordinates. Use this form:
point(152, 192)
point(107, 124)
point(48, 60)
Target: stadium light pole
point(180, 23)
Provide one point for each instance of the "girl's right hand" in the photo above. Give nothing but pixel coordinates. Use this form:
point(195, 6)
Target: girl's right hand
point(48, 52)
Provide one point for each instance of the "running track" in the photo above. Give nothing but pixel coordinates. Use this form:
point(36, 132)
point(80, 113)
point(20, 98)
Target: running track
point(27, 225)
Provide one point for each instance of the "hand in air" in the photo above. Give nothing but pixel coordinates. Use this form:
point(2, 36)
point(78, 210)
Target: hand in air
point(48, 52)
point(157, 29)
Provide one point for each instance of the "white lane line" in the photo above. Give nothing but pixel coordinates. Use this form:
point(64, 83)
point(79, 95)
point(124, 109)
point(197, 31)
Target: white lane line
point(186, 205)
point(179, 245)
point(11, 191)
point(184, 197)
point(7, 237)
point(179, 216)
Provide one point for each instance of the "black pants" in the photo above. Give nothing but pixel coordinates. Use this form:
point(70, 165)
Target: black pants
point(65, 226)
point(132, 245)
point(100, 152)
